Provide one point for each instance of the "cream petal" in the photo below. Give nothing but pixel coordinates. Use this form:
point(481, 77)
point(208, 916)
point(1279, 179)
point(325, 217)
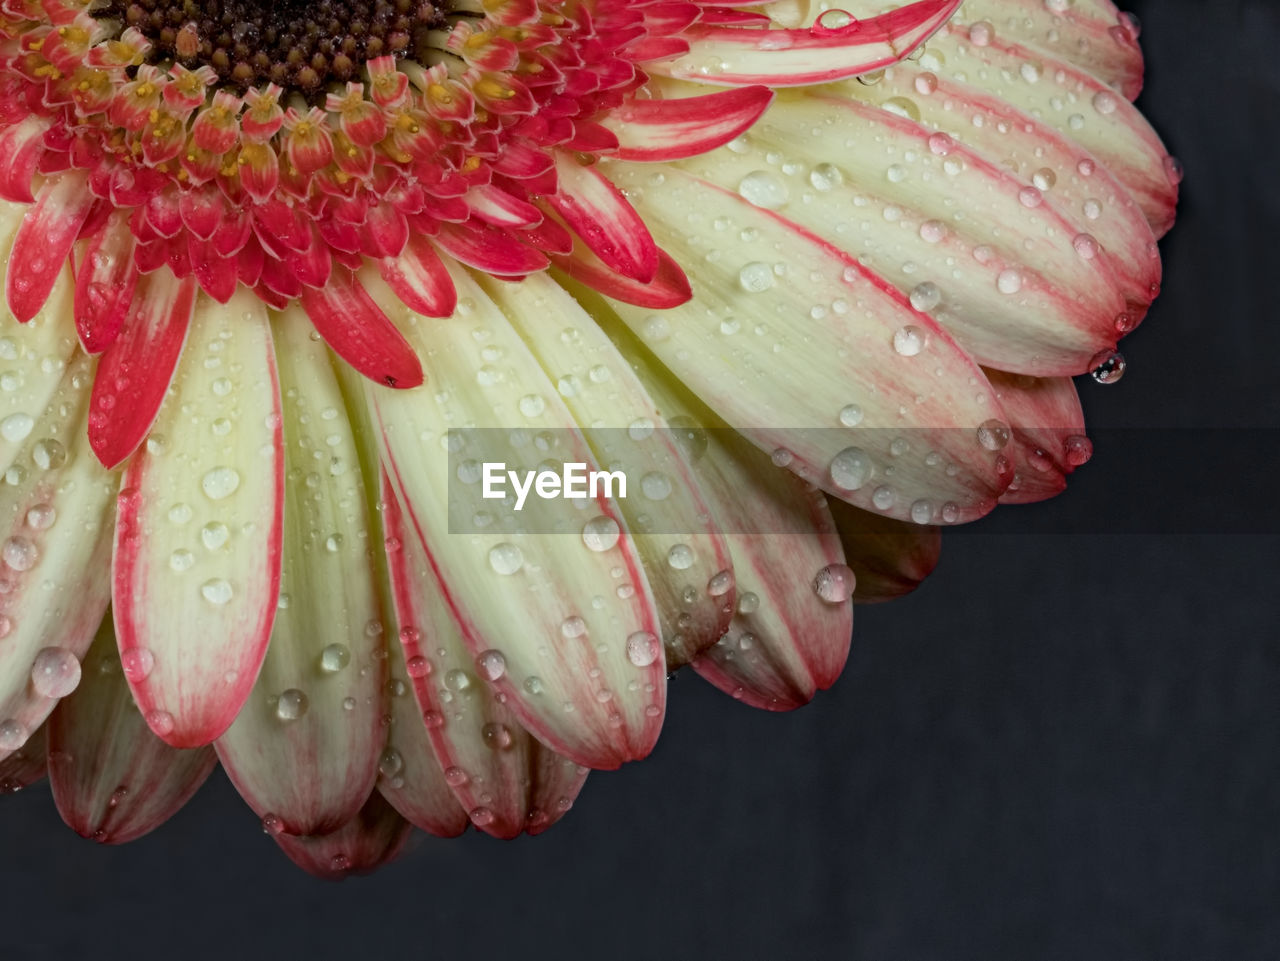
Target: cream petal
point(113, 780)
point(665, 508)
point(511, 590)
point(197, 553)
point(305, 746)
point(369, 840)
point(790, 341)
point(55, 550)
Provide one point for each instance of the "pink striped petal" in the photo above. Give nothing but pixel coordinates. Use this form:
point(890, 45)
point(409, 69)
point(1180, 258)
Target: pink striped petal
point(22, 146)
point(198, 536)
point(135, 371)
point(410, 776)
point(304, 749)
point(1046, 436)
point(105, 284)
point(782, 58)
point(360, 333)
point(598, 213)
point(420, 279)
point(658, 130)
point(889, 558)
point(500, 208)
point(43, 243)
point(56, 530)
point(501, 776)
point(369, 840)
point(113, 780)
point(516, 598)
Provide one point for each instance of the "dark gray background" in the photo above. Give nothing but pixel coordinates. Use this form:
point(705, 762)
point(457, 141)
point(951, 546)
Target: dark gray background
point(1066, 746)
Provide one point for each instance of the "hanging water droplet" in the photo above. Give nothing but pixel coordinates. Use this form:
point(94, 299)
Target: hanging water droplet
point(1108, 366)
point(921, 511)
point(291, 704)
point(137, 663)
point(391, 763)
point(497, 737)
point(161, 722)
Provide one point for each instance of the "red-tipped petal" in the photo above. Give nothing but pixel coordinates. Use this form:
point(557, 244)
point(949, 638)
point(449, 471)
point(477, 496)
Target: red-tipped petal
point(44, 241)
point(305, 746)
point(488, 249)
point(198, 532)
point(21, 146)
point(889, 558)
point(113, 780)
point(135, 371)
point(669, 287)
point(598, 213)
point(369, 840)
point(1046, 435)
point(420, 279)
point(782, 58)
point(657, 130)
point(25, 766)
point(360, 333)
point(502, 777)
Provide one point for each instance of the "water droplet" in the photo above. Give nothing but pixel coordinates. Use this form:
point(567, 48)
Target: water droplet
point(214, 534)
point(834, 584)
point(825, 176)
point(532, 405)
point(334, 658)
point(457, 680)
point(391, 763)
point(497, 737)
point(763, 189)
point(908, 341)
point(55, 673)
point(417, 666)
point(272, 824)
point(601, 533)
point(137, 663)
point(217, 591)
point(506, 558)
point(748, 602)
point(851, 469)
point(756, 277)
point(16, 427)
point(219, 483)
point(41, 517)
point(291, 704)
point(993, 435)
point(925, 296)
point(721, 583)
point(572, 627)
point(921, 511)
point(1108, 366)
point(643, 648)
point(680, 557)
point(182, 560)
point(161, 722)
point(491, 665)
point(19, 554)
point(12, 735)
point(1009, 281)
point(1078, 450)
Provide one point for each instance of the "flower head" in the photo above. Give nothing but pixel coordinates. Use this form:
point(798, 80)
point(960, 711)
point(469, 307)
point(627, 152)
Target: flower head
point(285, 277)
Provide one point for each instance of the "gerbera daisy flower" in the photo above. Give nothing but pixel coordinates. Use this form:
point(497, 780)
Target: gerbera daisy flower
point(286, 280)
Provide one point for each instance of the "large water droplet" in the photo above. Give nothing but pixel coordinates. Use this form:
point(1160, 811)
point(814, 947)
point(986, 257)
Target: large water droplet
point(219, 483)
point(55, 673)
point(1108, 366)
point(601, 533)
point(217, 591)
point(763, 189)
point(506, 558)
point(851, 469)
point(643, 648)
point(19, 554)
point(291, 705)
point(834, 584)
point(492, 665)
point(137, 663)
point(334, 658)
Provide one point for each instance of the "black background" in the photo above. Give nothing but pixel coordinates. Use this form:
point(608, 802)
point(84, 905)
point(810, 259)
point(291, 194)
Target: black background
point(1065, 746)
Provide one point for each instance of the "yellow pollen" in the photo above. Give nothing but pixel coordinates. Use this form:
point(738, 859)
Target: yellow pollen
point(470, 164)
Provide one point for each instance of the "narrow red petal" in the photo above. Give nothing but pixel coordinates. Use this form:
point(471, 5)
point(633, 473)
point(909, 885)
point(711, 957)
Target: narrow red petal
point(105, 284)
point(420, 279)
point(598, 213)
point(21, 146)
point(490, 250)
point(657, 130)
point(136, 370)
point(669, 287)
point(44, 241)
point(360, 333)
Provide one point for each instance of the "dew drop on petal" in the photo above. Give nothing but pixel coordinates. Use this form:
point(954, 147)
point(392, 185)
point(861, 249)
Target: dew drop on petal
point(16, 427)
point(756, 277)
point(680, 557)
point(908, 341)
point(334, 658)
point(851, 469)
point(291, 704)
point(994, 435)
point(217, 591)
point(492, 665)
point(137, 663)
point(721, 583)
point(219, 483)
point(834, 584)
point(506, 558)
point(601, 533)
point(1009, 281)
point(763, 189)
point(643, 648)
point(161, 722)
point(19, 554)
point(55, 672)
point(12, 735)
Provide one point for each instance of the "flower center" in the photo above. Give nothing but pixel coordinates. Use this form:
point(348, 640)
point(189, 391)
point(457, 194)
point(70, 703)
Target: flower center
point(300, 45)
